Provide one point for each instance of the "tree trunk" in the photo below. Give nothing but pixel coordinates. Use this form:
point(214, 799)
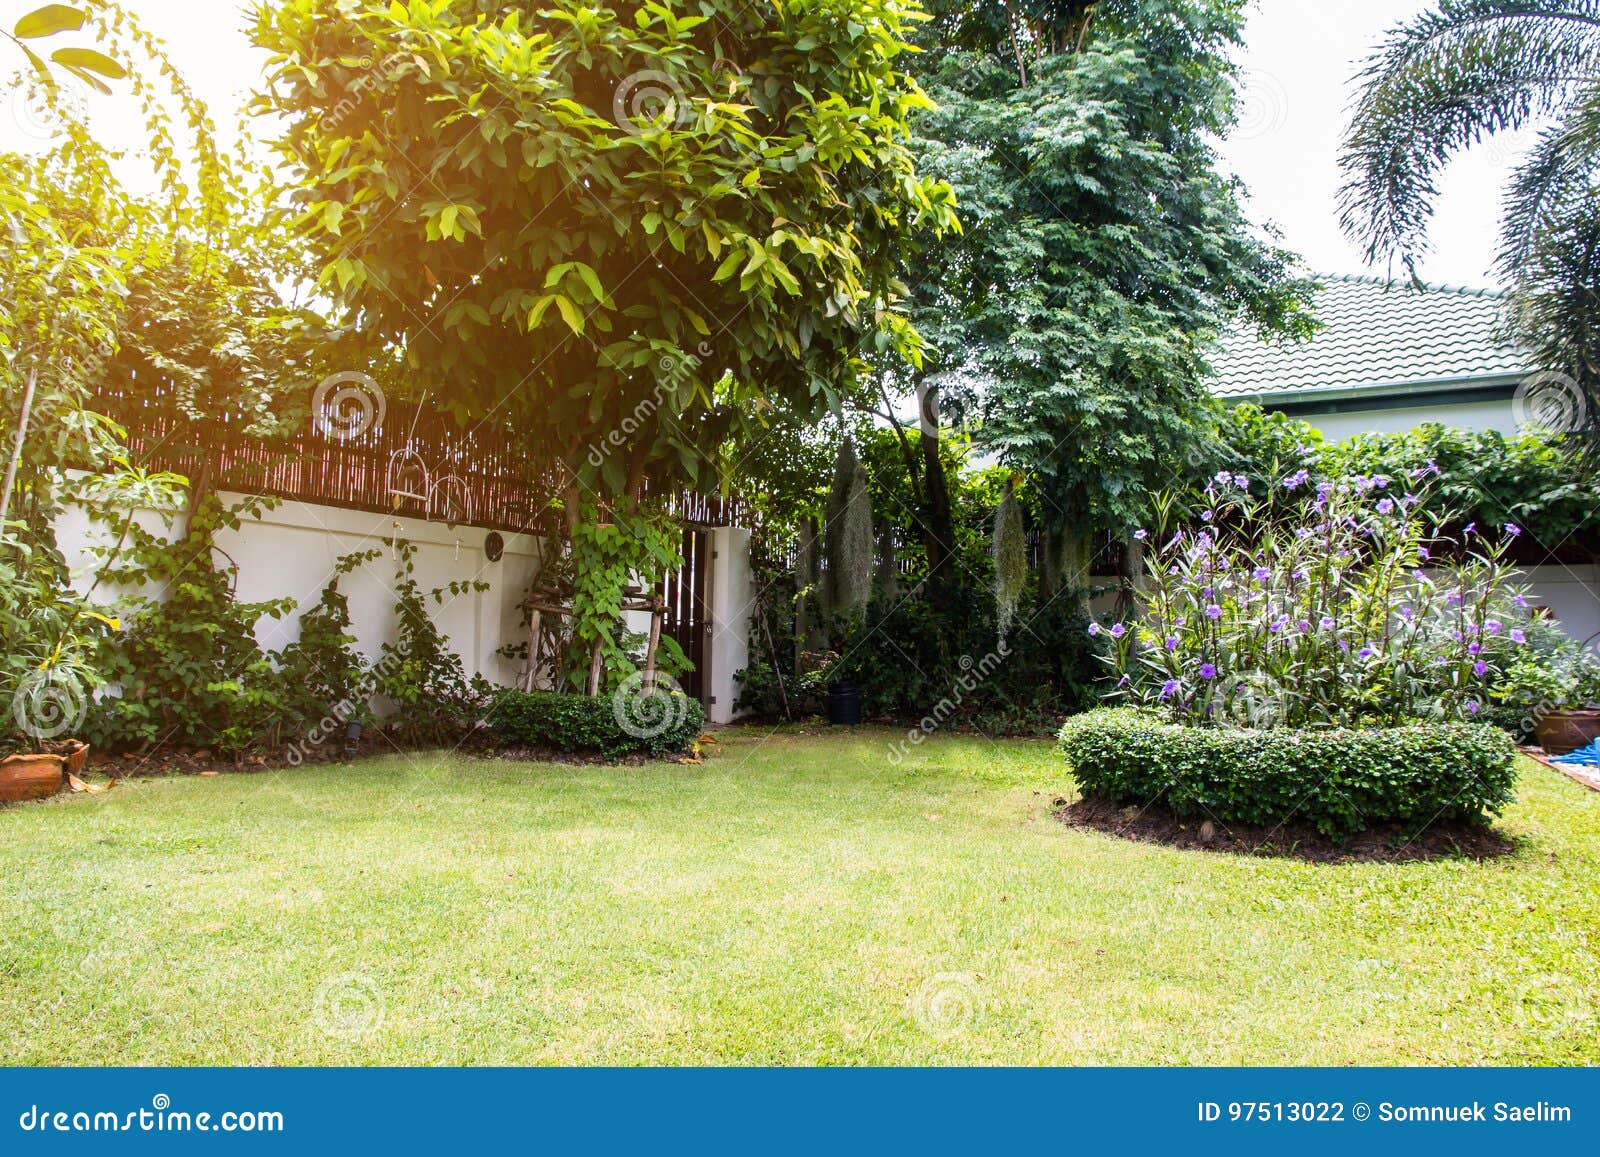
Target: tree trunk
point(938, 523)
point(1132, 572)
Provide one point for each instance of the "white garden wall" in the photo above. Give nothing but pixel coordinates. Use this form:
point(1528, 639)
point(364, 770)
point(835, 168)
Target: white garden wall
point(293, 548)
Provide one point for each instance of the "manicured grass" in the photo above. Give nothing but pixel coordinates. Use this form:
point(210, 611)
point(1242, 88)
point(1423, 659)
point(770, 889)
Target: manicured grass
point(796, 900)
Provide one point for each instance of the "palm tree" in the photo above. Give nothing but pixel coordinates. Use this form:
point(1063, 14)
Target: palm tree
point(1446, 80)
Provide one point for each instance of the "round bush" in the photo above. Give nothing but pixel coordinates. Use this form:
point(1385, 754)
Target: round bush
point(661, 723)
point(1343, 781)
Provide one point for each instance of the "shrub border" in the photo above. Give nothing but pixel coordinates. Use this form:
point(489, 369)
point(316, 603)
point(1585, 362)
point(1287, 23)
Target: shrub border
point(1341, 780)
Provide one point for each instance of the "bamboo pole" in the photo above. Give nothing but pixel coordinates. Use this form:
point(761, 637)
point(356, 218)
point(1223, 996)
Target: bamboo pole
point(16, 448)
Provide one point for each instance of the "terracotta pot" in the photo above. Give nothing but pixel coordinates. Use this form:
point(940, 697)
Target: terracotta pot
point(30, 776)
point(1561, 732)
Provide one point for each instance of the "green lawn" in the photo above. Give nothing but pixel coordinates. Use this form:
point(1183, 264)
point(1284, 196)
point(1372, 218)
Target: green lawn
point(796, 900)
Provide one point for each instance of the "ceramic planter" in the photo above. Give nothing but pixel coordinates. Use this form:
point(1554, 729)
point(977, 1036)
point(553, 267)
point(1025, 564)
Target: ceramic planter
point(24, 777)
point(1563, 731)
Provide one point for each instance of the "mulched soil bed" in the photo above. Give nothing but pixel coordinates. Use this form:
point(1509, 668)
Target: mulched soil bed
point(1156, 825)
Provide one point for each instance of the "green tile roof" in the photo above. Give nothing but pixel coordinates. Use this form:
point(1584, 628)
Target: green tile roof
point(1377, 337)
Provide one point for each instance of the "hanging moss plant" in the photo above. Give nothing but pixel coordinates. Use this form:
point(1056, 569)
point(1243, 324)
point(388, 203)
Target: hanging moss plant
point(850, 537)
point(1010, 558)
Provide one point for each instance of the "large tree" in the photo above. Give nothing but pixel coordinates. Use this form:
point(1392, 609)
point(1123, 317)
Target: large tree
point(1447, 79)
point(621, 228)
point(1102, 248)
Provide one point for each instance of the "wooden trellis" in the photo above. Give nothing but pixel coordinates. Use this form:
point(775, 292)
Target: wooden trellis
point(544, 601)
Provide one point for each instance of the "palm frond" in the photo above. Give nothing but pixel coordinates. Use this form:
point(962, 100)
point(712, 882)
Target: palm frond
point(1444, 81)
point(1558, 167)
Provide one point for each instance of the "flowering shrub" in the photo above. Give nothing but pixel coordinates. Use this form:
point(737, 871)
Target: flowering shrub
point(1314, 608)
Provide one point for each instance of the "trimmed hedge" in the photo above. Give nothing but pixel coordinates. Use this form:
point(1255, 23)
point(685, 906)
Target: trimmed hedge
point(1343, 781)
point(661, 723)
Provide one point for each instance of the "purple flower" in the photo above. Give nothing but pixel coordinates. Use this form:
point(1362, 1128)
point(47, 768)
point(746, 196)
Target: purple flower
point(1385, 506)
point(1169, 689)
point(1213, 612)
point(1262, 574)
point(1297, 480)
point(1365, 653)
point(1472, 707)
point(1141, 535)
point(1279, 623)
point(1453, 598)
point(1094, 628)
point(1424, 552)
point(1327, 622)
point(1124, 681)
point(1208, 671)
point(1172, 642)
point(1469, 529)
point(1513, 530)
point(1206, 516)
point(1118, 631)
point(1492, 627)
point(1521, 601)
point(1299, 573)
point(1475, 649)
point(1480, 668)
point(1518, 637)
point(1241, 481)
point(1303, 626)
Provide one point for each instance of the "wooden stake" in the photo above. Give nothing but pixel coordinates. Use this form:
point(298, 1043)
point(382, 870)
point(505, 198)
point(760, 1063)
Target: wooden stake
point(594, 670)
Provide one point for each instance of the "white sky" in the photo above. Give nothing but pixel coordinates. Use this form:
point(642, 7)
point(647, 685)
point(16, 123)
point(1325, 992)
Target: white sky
point(1300, 58)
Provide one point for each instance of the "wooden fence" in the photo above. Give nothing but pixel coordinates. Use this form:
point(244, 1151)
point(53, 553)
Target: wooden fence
point(414, 463)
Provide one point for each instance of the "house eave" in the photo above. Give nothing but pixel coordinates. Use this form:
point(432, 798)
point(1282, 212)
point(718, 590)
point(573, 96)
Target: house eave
point(1388, 395)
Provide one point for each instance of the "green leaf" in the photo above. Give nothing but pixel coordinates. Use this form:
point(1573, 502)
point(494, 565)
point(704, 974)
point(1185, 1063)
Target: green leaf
point(88, 58)
point(570, 314)
point(48, 21)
